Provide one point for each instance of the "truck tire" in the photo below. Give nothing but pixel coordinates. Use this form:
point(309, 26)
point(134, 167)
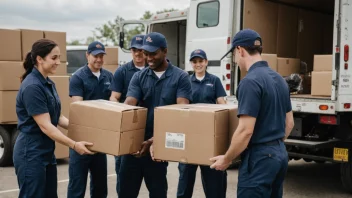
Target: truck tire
point(346, 176)
point(5, 148)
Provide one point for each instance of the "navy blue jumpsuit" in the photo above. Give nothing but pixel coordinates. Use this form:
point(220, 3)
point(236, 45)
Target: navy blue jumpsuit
point(33, 155)
point(214, 182)
point(85, 84)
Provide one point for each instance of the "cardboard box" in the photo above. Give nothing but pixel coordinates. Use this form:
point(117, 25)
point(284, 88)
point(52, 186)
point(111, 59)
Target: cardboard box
point(287, 31)
point(61, 70)
point(266, 26)
point(62, 84)
point(321, 83)
point(181, 142)
point(288, 66)
point(10, 75)
point(272, 62)
point(8, 106)
point(11, 39)
point(112, 127)
point(323, 63)
point(111, 68)
point(111, 57)
point(28, 38)
point(60, 39)
point(61, 151)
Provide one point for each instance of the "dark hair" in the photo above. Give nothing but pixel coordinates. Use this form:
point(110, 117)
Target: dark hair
point(40, 48)
point(252, 50)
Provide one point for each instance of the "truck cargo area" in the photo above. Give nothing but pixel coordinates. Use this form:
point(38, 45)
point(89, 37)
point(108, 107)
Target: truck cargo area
point(296, 29)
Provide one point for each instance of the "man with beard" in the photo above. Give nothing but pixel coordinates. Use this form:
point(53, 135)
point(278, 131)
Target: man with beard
point(121, 80)
point(159, 84)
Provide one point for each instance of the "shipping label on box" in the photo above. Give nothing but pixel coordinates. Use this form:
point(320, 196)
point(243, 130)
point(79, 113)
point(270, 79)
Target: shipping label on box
point(112, 127)
point(323, 63)
point(10, 38)
point(10, 75)
point(176, 137)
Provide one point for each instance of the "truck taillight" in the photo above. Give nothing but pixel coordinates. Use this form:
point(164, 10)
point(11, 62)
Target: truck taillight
point(346, 66)
point(347, 105)
point(227, 87)
point(328, 119)
point(228, 40)
point(228, 76)
point(323, 107)
point(346, 53)
point(228, 66)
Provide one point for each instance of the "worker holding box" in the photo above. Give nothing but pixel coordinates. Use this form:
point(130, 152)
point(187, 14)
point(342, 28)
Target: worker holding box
point(121, 80)
point(38, 110)
point(265, 120)
point(159, 84)
point(206, 88)
point(91, 82)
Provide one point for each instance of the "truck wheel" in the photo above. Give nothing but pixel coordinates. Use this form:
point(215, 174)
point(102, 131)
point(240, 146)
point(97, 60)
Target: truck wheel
point(346, 176)
point(5, 148)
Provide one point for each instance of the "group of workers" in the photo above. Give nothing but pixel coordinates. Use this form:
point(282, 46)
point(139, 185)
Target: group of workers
point(150, 80)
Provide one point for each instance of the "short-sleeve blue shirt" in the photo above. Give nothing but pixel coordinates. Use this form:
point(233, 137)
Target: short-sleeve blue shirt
point(264, 94)
point(85, 84)
point(151, 92)
point(122, 78)
point(36, 96)
point(206, 90)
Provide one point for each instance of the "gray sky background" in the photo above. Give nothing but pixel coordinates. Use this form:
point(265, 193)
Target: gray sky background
point(76, 17)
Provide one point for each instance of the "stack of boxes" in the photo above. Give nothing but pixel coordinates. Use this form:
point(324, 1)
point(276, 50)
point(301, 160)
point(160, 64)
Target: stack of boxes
point(322, 75)
point(19, 43)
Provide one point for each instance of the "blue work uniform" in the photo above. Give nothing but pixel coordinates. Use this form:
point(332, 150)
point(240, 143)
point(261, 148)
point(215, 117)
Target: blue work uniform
point(264, 95)
point(151, 92)
point(214, 182)
point(121, 80)
point(85, 84)
point(33, 155)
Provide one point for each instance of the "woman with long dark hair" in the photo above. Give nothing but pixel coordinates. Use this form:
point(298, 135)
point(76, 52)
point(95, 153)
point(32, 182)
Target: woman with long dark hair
point(38, 110)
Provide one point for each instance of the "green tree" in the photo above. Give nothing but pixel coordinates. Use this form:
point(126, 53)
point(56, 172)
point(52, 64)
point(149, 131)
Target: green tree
point(74, 42)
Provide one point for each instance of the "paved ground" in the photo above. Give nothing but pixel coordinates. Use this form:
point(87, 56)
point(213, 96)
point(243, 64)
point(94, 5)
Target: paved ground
point(303, 180)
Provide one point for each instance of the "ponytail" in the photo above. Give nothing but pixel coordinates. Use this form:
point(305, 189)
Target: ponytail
point(28, 65)
point(40, 48)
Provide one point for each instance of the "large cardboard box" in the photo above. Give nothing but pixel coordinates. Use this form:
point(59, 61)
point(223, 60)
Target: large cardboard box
point(10, 75)
point(8, 106)
point(287, 31)
point(62, 86)
point(321, 83)
point(111, 57)
point(61, 151)
point(177, 138)
point(266, 26)
point(323, 63)
point(270, 58)
point(28, 38)
point(11, 40)
point(288, 66)
point(60, 39)
point(111, 68)
point(112, 127)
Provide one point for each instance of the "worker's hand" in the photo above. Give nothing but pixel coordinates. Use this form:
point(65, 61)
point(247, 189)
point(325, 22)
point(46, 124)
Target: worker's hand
point(144, 148)
point(152, 154)
point(80, 147)
point(220, 163)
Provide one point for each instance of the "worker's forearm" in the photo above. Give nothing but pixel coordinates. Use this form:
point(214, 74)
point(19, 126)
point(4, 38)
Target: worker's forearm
point(63, 122)
point(112, 98)
point(288, 130)
point(239, 143)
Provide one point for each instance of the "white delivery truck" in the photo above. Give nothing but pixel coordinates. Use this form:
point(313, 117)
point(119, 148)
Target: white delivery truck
point(297, 29)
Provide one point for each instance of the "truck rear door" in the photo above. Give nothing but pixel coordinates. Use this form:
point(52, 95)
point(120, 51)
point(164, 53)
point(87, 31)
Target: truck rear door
point(209, 27)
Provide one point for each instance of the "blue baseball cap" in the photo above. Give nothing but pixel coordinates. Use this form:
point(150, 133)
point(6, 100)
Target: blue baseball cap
point(198, 53)
point(137, 41)
point(95, 48)
point(245, 38)
point(153, 42)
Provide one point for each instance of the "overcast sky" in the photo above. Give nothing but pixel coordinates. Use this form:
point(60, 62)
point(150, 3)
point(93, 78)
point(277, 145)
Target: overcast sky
point(76, 17)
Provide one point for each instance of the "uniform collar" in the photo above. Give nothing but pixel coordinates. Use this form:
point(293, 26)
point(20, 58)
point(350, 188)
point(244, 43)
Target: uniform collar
point(167, 73)
point(258, 64)
point(206, 77)
point(37, 74)
point(90, 73)
point(132, 66)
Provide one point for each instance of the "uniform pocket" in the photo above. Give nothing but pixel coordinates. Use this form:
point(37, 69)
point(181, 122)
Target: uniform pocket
point(169, 95)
